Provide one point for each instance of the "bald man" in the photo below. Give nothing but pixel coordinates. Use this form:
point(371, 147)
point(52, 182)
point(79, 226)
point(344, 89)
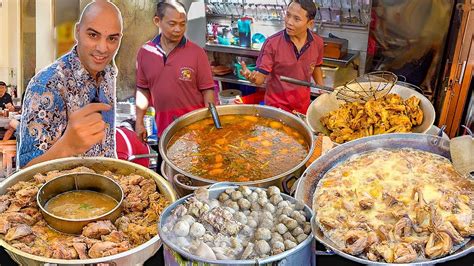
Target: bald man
point(69, 106)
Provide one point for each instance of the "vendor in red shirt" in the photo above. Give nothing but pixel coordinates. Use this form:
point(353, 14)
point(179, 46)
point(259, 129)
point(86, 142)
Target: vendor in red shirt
point(173, 73)
point(295, 52)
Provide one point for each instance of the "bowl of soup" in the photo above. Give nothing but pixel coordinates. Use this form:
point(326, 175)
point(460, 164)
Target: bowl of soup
point(71, 201)
point(257, 145)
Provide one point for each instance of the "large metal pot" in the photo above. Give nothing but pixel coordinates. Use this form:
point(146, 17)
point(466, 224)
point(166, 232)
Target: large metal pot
point(310, 178)
point(302, 254)
point(193, 181)
point(135, 256)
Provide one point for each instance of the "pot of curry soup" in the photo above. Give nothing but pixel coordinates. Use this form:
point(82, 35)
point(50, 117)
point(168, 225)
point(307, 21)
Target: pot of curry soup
point(257, 146)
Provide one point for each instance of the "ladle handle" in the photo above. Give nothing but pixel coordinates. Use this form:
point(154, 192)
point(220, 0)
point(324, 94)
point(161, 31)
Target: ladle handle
point(305, 83)
point(215, 115)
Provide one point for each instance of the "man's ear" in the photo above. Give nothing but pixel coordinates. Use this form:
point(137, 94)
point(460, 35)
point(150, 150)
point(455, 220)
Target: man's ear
point(76, 31)
point(156, 21)
point(310, 24)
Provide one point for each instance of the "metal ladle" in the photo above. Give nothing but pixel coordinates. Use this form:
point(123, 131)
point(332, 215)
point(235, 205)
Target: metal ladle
point(215, 116)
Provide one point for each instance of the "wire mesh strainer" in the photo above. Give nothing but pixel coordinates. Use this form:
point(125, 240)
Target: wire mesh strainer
point(373, 85)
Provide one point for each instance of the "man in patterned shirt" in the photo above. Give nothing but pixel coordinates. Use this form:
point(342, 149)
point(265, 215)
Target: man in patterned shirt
point(69, 107)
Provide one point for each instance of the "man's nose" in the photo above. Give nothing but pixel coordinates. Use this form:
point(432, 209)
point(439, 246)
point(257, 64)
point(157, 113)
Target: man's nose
point(101, 45)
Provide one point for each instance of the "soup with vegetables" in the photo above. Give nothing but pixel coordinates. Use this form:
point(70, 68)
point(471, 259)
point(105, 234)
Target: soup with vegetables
point(247, 148)
point(80, 204)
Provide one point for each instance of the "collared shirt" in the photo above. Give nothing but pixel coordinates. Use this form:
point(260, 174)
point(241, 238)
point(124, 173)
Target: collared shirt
point(280, 57)
point(175, 80)
point(53, 95)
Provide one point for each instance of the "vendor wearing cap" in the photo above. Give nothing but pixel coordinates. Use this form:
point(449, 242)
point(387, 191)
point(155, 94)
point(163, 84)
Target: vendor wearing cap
point(173, 73)
point(294, 52)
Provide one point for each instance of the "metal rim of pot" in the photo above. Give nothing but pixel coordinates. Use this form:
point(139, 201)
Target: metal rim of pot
point(163, 146)
point(77, 161)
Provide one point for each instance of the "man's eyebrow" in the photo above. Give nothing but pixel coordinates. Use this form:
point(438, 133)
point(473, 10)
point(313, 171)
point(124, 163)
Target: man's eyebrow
point(91, 29)
point(177, 20)
point(98, 33)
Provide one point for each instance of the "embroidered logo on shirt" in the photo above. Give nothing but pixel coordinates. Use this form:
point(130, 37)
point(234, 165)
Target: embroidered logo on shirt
point(186, 73)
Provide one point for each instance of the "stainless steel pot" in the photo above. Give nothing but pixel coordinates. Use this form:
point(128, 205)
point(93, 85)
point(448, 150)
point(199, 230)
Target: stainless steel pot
point(135, 256)
point(310, 178)
point(280, 180)
point(181, 183)
point(302, 254)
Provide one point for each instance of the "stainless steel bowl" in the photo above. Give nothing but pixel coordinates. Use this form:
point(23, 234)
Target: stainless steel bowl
point(401, 89)
point(280, 180)
point(135, 256)
point(78, 181)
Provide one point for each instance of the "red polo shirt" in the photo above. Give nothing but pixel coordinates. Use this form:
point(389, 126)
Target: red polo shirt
point(279, 57)
point(176, 80)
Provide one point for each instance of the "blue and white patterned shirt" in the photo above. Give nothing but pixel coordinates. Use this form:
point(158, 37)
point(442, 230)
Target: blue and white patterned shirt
point(56, 92)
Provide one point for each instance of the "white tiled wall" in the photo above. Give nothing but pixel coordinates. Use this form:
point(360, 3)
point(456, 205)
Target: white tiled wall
point(9, 44)
point(4, 74)
point(3, 44)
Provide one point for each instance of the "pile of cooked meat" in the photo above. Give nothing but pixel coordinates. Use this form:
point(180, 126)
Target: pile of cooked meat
point(22, 225)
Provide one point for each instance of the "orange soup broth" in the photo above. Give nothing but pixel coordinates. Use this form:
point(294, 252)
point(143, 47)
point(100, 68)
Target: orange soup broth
point(247, 148)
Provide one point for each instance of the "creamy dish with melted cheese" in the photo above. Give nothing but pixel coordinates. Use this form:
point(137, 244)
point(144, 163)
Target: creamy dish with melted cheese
point(395, 206)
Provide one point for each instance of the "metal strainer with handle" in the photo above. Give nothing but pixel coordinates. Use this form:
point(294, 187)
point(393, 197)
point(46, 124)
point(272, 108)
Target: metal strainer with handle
point(370, 86)
point(373, 85)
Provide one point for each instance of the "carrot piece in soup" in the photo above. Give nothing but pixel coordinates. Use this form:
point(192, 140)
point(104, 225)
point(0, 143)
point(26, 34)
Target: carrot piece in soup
point(219, 158)
point(221, 141)
point(216, 171)
point(275, 124)
point(266, 143)
point(251, 118)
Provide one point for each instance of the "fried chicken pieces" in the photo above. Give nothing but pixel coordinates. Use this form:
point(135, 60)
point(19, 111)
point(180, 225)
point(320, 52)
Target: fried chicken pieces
point(388, 114)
